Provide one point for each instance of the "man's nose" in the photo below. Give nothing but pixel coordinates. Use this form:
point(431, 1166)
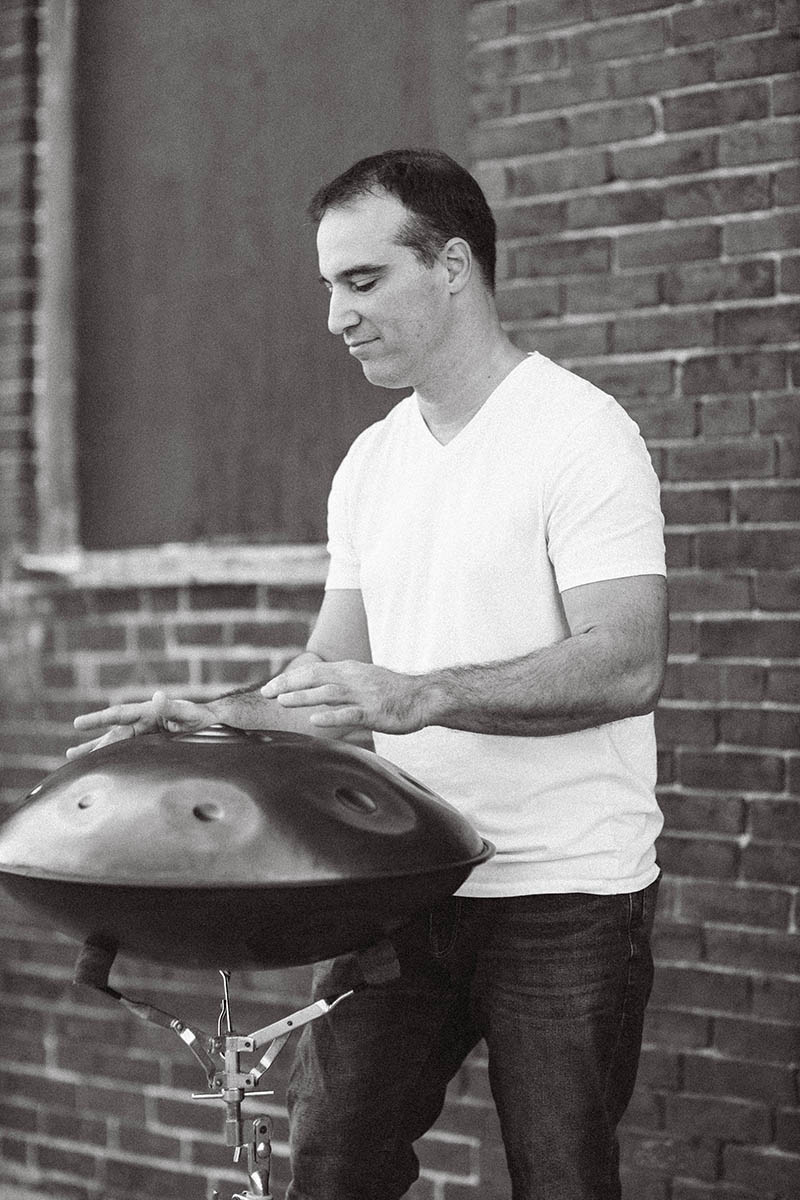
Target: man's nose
point(341, 314)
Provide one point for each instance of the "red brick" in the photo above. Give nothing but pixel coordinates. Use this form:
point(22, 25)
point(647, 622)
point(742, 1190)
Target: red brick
point(747, 58)
point(789, 268)
point(663, 331)
point(783, 684)
point(662, 421)
point(754, 951)
point(709, 197)
point(658, 246)
point(786, 100)
point(630, 378)
point(559, 90)
point(568, 256)
point(726, 416)
point(488, 21)
point(762, 638)
point(85, 636)
point(525, 301)
point(211, 595)
point(762, 1041)
point(612, 293)
point(662, 1154)
point(701, 989)
point(765, 549)
point(674, 942)
point(762, 1168)
point(691, 282)
point(727, 1120)
point(529, 220)
point(762, 503)
point(777, 232)
point(787, 183)
point(649, 76)
point(735, 904)
point(695, 506)
point(658, 1068)
point(70, 1162)
point(201, 633)
point(733, 373)
point(778, 820)
point(713, 21)
point(510, 140)
point(763, 142)
point(750, 727)
point(787, 1129)
point(142, 1179)
point(710, 1075)
point(703, 813)
point(747, 458)
point(753, 326)
point(774, 997)
point(777, 414)
point(715, 106)
point(611, 123)
point(624, 39)
point(559, 173)
point(544, 14)
point(770, 862)
point(562, 341)
point(736, 770)
point(698, 857)
point(629, 207)
point(684, 1031)
point(682, 633)
point(685, 726)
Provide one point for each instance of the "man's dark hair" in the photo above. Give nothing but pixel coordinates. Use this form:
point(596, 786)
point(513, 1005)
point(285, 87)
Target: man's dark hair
point(442, 197)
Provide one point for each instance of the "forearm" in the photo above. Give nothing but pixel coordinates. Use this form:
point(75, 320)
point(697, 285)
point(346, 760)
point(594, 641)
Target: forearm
point(247, 708)
point(584, 681)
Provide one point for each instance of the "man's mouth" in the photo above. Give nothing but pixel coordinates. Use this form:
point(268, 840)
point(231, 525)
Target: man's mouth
point(351, 346)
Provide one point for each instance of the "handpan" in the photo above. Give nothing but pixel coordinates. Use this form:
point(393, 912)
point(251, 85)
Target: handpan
point(233, 849)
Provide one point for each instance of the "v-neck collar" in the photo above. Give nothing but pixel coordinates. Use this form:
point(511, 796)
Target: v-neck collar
point(476, 421)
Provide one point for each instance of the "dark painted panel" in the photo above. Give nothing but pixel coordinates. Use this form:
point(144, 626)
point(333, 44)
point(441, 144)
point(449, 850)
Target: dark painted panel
point(213, 403)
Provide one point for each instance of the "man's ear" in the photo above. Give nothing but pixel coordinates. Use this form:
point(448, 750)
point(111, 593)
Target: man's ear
point(457, 258)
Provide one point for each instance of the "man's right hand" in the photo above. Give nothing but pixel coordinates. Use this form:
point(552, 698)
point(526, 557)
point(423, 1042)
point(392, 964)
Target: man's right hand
point(122, 721)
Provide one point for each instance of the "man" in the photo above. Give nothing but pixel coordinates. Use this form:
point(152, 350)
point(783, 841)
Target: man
point(495, 614)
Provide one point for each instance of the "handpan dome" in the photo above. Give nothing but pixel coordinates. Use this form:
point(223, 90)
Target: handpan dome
point(230, 848)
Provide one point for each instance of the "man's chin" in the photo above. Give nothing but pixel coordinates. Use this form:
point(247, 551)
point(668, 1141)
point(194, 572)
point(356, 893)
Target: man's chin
point(381, 375)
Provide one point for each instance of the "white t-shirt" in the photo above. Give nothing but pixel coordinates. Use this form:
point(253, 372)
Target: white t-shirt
point(460, 552)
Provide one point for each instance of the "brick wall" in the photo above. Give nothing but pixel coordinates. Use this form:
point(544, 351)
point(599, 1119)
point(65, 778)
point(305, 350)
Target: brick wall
point(641, 157)
point(18, 101)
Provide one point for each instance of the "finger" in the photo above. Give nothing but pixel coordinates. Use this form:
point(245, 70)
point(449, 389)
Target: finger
point(81, 749)
point(348, 714)
point(119, 733)
point(106, 716)
point(305, 697)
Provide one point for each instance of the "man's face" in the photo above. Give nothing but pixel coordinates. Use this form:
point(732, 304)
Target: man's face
point(391, 310)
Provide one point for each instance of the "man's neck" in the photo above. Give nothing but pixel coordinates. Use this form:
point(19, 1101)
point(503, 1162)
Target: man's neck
point(461, 388)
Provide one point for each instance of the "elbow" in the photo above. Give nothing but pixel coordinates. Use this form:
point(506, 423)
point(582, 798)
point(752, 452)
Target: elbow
point(643, 689)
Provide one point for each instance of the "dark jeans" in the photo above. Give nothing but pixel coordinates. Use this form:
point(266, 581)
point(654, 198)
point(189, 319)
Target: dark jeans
point(556, 984)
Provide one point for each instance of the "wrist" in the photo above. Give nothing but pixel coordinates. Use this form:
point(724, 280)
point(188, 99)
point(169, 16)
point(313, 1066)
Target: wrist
point(431, 698)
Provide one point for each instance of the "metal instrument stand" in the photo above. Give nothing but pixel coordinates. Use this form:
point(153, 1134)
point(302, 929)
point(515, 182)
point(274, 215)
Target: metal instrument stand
point(220, 1056)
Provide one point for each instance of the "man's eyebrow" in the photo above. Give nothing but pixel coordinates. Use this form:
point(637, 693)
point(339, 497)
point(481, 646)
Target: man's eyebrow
point(361, 269)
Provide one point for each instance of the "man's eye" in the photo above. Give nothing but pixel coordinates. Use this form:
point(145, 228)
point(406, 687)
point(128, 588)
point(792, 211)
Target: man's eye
point(363, 287)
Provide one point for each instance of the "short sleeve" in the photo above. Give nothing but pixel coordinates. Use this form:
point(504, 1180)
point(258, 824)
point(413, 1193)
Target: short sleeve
point(343, 570)
point(602, 501)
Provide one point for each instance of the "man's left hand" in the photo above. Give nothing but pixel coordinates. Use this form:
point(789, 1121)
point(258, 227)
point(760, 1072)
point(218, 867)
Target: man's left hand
point(353, 693)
